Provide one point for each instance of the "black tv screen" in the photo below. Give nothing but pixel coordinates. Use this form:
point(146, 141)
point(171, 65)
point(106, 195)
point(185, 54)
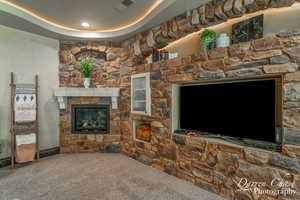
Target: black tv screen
point(237, 109)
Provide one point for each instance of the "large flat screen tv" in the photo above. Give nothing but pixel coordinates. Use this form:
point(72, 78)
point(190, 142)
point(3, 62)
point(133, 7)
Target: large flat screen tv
point(239, 109)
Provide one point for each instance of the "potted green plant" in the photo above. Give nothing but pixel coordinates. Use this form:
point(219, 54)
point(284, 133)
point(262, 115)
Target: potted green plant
point(208, 38)
point(86, 68)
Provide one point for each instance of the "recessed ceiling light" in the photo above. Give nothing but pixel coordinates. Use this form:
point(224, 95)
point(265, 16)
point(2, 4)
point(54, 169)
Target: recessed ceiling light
point(85, 24)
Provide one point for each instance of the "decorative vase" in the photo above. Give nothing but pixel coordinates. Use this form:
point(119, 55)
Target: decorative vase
point(87, 82)
point(208, 43)
point(223, 40)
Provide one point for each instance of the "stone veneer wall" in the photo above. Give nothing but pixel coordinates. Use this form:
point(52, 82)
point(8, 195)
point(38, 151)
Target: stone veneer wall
point(211, 164)
point(212, 13)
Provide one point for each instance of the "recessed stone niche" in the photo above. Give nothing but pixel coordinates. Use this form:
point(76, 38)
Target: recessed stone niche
point(97, 55)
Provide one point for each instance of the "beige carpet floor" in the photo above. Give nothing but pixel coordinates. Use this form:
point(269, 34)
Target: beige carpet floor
point(92, 177)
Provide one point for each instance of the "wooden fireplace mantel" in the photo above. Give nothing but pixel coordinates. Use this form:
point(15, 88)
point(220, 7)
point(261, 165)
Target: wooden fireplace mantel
point(63, 93)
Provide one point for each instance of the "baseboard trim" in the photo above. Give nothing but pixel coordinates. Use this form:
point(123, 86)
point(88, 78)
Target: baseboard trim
point(4, 162)
point(49, 152)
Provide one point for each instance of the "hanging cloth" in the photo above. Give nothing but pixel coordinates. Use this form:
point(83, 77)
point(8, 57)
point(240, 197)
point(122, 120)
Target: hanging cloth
point(25, 147)
point(25, 103)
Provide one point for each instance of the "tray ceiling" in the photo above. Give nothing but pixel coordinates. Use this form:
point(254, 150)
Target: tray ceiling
point(98, 13)
point(107, 19)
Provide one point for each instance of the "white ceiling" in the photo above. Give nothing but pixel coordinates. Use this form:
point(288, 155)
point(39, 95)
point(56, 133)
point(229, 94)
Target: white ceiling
point(62, 19)
point(98, 13)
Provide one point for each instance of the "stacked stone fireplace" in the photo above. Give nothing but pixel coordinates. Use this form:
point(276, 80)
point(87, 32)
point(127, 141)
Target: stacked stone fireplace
point(102, 132)
point(88, 124)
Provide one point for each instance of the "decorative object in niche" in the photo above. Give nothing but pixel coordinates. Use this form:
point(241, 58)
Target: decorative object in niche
point(155, 56)
point(160, 55)
point(86, 68)
point(143, 132)
point(223, 40)
point(164, 55)
point(173, 55)
point(208, 39)
point(149, 59)
point(248, 30)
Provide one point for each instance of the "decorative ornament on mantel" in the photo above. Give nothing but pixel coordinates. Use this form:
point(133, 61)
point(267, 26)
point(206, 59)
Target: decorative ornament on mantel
point(86, 68)
point(86, 82)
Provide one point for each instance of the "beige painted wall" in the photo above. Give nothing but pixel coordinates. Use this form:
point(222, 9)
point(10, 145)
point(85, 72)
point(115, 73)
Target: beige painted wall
point(28, 54)
point(275, 20)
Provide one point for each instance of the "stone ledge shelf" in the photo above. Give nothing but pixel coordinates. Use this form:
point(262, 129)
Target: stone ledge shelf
point(63, 93)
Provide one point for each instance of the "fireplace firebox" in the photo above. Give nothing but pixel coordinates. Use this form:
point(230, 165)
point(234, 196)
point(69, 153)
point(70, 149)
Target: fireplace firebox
point(90, 119)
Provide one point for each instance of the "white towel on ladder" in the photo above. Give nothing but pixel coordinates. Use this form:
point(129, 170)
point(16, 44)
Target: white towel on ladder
point(25, 108)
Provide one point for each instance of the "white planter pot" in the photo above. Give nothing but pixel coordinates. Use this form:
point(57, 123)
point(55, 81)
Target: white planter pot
point(223, 40)
point(87, 82)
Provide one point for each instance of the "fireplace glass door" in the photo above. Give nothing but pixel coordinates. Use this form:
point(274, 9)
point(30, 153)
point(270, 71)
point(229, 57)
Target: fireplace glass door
point(90, 119)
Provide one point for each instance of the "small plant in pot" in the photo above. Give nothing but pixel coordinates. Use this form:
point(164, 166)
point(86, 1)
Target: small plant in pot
point(86, 68)
point(208, 39)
